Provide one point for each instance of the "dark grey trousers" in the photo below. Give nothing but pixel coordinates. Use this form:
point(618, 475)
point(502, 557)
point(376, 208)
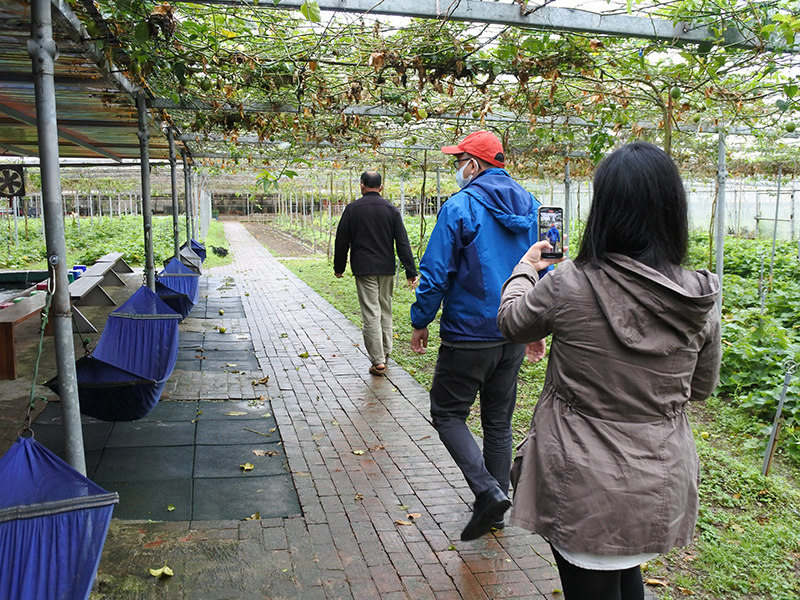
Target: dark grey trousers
point(460, 374)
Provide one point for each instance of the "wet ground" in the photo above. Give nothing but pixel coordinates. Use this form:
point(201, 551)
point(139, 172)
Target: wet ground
point(380, 504)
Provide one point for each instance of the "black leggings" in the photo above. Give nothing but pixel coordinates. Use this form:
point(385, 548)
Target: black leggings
point(586, 584)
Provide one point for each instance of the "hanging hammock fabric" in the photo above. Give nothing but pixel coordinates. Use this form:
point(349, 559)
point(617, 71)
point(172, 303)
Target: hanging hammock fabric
point(53, 524)
point(123, 378)
point(198, 248)
point(178, 286)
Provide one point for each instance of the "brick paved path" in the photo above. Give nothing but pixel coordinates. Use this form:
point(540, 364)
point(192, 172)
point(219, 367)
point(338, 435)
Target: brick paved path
point(363, 456)
point(348, 542)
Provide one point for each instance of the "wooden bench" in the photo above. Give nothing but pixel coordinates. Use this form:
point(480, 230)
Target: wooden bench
point(10, 317)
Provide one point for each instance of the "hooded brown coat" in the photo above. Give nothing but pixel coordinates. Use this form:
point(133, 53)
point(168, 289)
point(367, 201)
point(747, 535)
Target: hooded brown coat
point(610, 465)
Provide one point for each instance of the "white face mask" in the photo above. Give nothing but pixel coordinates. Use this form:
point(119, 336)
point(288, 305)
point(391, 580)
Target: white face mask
point(460, 179)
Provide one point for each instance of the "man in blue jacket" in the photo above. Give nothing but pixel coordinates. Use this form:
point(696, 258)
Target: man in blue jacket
point(480, 234)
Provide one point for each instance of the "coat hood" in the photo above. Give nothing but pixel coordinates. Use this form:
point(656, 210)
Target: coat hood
point(648, 311)
point(504, 198)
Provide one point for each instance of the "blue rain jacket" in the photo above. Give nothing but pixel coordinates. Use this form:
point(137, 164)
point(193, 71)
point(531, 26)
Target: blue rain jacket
point(480, 235)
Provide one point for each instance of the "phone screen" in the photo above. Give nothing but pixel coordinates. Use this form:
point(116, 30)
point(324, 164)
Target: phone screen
point(551, 228)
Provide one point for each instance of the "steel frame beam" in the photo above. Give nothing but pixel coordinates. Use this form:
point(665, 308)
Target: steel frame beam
point(544, 18)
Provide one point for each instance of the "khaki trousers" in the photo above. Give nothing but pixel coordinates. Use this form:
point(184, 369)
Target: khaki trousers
point(375, 298)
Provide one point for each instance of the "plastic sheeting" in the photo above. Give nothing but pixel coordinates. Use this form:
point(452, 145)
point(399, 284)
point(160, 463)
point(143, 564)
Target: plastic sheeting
point(53, 524)
point(136, 354)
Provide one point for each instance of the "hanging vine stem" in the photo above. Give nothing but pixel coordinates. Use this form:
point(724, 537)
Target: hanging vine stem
point(51, 288)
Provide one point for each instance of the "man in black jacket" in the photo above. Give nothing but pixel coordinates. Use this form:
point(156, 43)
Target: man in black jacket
point(371, 228)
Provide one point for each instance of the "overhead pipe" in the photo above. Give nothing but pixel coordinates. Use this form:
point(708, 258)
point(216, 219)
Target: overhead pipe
point(43, 52)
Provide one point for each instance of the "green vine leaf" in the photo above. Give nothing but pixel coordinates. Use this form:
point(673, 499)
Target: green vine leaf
point(311, 11)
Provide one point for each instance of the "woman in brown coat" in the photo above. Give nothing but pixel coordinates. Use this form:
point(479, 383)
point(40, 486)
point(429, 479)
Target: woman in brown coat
point(609, 472)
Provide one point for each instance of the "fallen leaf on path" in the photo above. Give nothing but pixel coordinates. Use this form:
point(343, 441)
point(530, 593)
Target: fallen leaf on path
point(230, 364)
point(254, 517)
point(236, 413)
point(656, 582)
point(377, 447)
point(413, 516)
point(358, 452)
point(359, 496)
point(170, 507)
point(265, 453)
point(164, 571)
point(247, 467)
point(262, 381)
point(401, 522)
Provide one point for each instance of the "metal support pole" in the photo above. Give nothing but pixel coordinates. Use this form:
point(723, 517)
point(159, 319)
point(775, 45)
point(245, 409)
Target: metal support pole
point(15, 208)
point(402, 198)
point(438, 190)
point(173, 170)
point(775, 227)
point(43, 52)
point(722, 176)
point(147, 212)
point(187, 193)
point(567, 183)
point(196, 206)
point(789, 367)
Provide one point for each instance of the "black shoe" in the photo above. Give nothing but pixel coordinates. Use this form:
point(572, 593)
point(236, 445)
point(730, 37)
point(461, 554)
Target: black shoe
point(489, 508)
point(500, 524)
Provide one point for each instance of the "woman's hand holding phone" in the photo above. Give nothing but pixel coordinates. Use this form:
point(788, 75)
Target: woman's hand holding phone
point(534, 256)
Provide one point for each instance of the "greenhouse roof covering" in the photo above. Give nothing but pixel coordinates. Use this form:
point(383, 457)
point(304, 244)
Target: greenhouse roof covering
point(96, 106)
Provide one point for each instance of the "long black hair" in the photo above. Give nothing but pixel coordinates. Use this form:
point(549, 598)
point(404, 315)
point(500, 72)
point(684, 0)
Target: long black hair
point(638, 209)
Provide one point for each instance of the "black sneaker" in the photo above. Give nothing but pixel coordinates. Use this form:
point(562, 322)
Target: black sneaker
point(489, 508)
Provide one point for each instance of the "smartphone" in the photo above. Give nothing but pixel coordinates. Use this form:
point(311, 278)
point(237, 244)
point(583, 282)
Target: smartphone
point(551, 228)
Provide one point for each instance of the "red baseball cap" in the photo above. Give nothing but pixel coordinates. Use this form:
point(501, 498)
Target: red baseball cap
point(481, 144)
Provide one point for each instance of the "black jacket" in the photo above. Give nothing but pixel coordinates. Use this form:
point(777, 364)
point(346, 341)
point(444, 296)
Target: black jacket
point(370, 228)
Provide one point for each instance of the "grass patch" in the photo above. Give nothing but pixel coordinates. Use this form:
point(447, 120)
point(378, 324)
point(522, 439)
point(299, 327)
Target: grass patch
point(89, 239)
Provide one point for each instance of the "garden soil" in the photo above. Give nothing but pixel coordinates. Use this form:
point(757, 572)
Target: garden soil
point(279, 244)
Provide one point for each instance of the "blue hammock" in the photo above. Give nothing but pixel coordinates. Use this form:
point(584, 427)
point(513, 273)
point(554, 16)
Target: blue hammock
point(123, 378)
point(198, 248)
point(177, 285)
point(53, 524)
